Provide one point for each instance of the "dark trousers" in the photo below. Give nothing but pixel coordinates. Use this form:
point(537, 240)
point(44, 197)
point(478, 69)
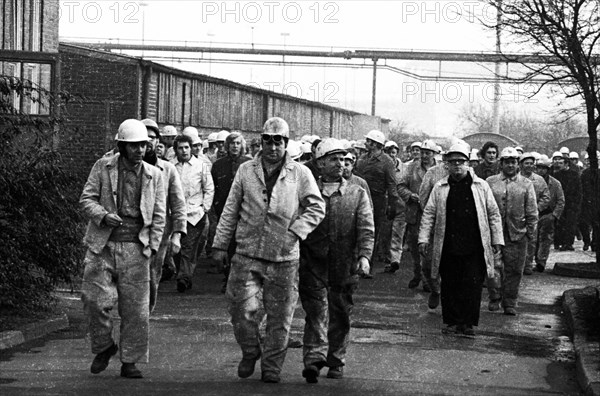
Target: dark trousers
point(462, 282)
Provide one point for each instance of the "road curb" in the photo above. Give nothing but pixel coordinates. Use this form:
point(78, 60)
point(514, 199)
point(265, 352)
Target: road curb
point(576, 270)
point(586, 351)
point(12, 338)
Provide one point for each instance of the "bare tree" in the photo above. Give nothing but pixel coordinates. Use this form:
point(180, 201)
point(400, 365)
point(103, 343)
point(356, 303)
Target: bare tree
point(568, 31)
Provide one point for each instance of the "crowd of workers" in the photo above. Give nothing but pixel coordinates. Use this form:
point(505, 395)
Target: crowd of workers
point(285, 219)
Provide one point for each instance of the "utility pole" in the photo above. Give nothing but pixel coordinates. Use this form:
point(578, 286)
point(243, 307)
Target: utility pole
point(497, 89)
point(373, 98)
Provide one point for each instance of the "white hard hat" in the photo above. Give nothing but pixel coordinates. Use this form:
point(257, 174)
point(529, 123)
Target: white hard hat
point(536, 155)
point(580, 164)
point(461, 149)
point(509, 152)
point(524, 156)
point(212, 137)
point(222, 135)
point(190, 130)
point(376, 136)
point(305, 138)
point(472, 156)
point(390, 143)
point(346, 143)
point(431, 145)
point(151, 124)
point(544, 161)
point(416, 144)
point(564, 150)
point(557, 154)
point(360, 144)
point(169, 130)
point(132, 131)
point(205, 144)
point(193, 134)
point(329, 146)
point(276, 126)
point(294, 149)
point(306, 148)
point(519, 148)
point(573, 154)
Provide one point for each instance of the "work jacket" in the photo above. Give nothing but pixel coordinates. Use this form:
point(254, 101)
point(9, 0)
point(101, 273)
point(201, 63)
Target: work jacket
point(176, 209)
point(270, 229)
point(411, 183)
point(350, 232)
point(542, 193)
point(99, 198)
point(516, 200)
point(198, 187)
point(433, 222)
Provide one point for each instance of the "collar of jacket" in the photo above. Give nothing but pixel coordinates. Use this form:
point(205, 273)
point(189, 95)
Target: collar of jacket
point(160, 164)
point(191, 161)
point(342, 188)
point(504, 177)
point(113, 168)
point(288, 163)
point(476, 179)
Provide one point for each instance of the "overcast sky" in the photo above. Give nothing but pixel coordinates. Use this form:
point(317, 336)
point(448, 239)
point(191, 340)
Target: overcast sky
point(432, 107)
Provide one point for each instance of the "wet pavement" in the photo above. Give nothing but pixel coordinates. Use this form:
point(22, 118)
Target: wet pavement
point(397, 347)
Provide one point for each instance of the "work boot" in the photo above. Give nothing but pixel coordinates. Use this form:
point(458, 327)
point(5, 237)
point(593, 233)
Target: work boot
point(468, 330)
point(510, 311)
point(270, 377)
point(434, 300)
point(527, 271)
point(450, 329)
point(414, 282)
point(539, 268)
point(128, 370)
point(336, 372)
point(246, 366)
point(426, 287)
point(101, 360)
point(311, 372)
point(586, 246)
point(181, 286)
point(494, 305)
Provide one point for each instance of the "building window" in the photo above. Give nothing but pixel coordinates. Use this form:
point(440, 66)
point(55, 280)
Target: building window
point(35, 76)
point(24, 26)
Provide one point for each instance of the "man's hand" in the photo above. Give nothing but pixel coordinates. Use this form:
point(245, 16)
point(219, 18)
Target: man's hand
point(363, 266)
point(176, 242)
point(113, 220)
point(423, 248)
point(496, 248)
point(220, 256)
point(414, 197)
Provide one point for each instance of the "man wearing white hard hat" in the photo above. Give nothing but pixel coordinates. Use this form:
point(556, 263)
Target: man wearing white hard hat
point(516, 200)
point(124, 200)
point(548, 216)
point(566, 226)
point(573, 162)
point(273, 204)
point(542, 195)
point(409, 191)
point(331, 259)
point(168, 135)
point(377, 169)
point(348, 174)
point(176, 213)
point(462, 227)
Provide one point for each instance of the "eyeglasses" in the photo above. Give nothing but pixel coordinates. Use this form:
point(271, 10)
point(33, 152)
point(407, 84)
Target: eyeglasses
point(456, 161)
point(272, 138)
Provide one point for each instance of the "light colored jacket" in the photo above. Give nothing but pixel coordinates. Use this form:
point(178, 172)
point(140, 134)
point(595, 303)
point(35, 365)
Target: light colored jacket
point(433, 222)
point(270, 229)
point(542, 193)
point(198, 188)
point(411, 183)
point(176, 208)
point(99, 199)
point(516, 200)
point(557, 197)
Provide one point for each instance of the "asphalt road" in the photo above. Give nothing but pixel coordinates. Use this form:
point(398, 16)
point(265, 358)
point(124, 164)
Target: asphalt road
point(397, 348)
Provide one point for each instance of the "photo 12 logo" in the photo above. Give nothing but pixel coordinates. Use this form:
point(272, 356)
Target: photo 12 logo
point(324, 93)
point(269, 11)
point(100, 11)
